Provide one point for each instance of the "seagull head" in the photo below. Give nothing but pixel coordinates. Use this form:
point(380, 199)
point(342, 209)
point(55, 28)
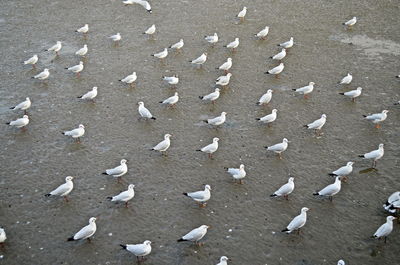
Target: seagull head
point(167, 136)
point(236, 39)
point(304, 209)
point(69, 178)
point(92, 220)
point(58, 42)
point(216, 139)
point(80, 63)
point(140, 103)
point(223, 258)
point(95, 88)
point(229, 74)
point(291, 179)
point(25, 117)
point(274, 111)
point(215, 34)
point(244, 8)
point(359, 88)
point(291, 38)
point(270, 91)
point(207, 187)
point(147, 242)
point(27, 99)
point(285, 140)
point(217, 89)
point(311, 83)
point(323, 116)
point(123, 161)
point(380, 146)
point(223, 113)
point(45, 70)
point(229, 59)
point(385, 111)
point(349, 74)
point(205, 227)
point(81, 126)
point(85, 46)
point(131, 186)
point(350, 163)
point(176, 94)
point(241, 166)
point(341, 262)
point(390, 218)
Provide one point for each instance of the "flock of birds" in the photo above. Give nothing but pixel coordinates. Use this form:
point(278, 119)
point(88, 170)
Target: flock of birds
point(238, 174)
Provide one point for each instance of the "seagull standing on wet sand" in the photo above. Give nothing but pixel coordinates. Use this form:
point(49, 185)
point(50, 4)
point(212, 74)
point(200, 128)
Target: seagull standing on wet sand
point(82, 51)
point(124, 196)
point(139, 250)
point(279, 147)
point(56, 47)
point(223, 261)
point(86, 232)
point(219, 120)
point(223, 80)
point(212, 38)
point(76, 68)
point(116, 38)
point(64, 189)
point(233, 45)
point(20, 123)
point(385, 229)
point(263, 33)
point(276, 70)
point(285, 189)
point(353, 93)
point(130, 79)
point(32, 61)
point(143, 3)
point(90, 95)
point(200, 60)
point(346, 80)
point(201, 196)
point(317, 125)
point(84, 29)
point(305, 90)
point(76, 133)
point(195, 235)
point(375, 155)
point(177, 46)
point(3, 236)
point(172, 80)
point(212, 96)
point(330, 190)
point(393, 200)
point(351, 22)
point(144, 112)
point(226, 65)
point(211, 148)
point(118, 171)
point(288, 44)
point(297, 222)
point(266, 98)
point(279, 56)
point(150, 31)
point(162, 54)
point(42, 75)
point(341, 262)
point(268, 119)
point(24, 105)
point(237, 173)
point(242, 13)
point(171, 101)
point(377, 118)
point(163, 145)
point(343, 171)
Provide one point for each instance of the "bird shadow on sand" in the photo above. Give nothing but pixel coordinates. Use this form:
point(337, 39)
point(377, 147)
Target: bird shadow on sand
point(368, 170)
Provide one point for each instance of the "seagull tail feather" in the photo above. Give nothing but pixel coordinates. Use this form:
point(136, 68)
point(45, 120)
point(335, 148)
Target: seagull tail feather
point(285, 230)
point(273, 195)
point(361, 156)
point(332, 174)
point(47, 195)
point(316, 193)
point(153, 118)
point(341, 94)
point(123, 246)
point(71, 239)
point(181, 240)
point(104, 173)
point(109, 198)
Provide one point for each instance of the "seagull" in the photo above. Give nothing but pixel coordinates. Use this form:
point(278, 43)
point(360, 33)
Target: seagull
point(226, 65)
point(86, 232)
point(24, 105)
point(195, 235)
point(385, 229)
point(223, 80)
point(177, 46)
point(171, 101)
point(84, 29)
point(353, 93)
point(201, 196)
point(56, 47)
point(392, 201)
point(375, 155)
point(163, 145)
point(118, 171)
point(217, 120)
point(351, 22)
point(124, 196)
point(212, 38)
point(211, 148)
point(233, 45)
point(64, 189)
point(223, 261)
point(144, 112)
point(20, 123)
point(200, 60)
point(33, 60)
point(279, 148)
point(130, 79)
point(341, 262)
point(397, 103)
point(76, 68)
point(139, 250)
point(377, 118)
point(331, 189)
point(82, 51)
point(317, 124)
point(151, 30)
point(279, 56)
point(285, 189)
point(116, 37)
point(266, 98)
point(212, 96)
point(42, 75)
point(242, 13)
point(343, 171)
point(143, 3)
point(76, 133)
point(162, 54)
point(288, 44)
point(269, 118)
point(90, 95)
point(346, 80)
point(305, 90)
point(297, 222)
point(276, 70)
point(3, 235)
point(172, 80)
point(237, 173)
point(263, 33)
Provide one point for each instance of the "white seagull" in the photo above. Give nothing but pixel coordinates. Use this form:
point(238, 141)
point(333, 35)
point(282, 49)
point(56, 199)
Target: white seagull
point(124, 196)
point(212, 38)
point(212, 96)
point(242, 13)
point(64, 189)
point(116, 37)
point(84, 29)
point(171, 101)
point(20, 123)
point(33, 60)
point(130, 79)
point(3, 235)
point(143, 3)
point(177, 46)
point(164, 144)
point(151, 30)
point(393, 200)
point(226, 65)
point(377, 118)
point(263, 33)
point(276, 70)
point(305, 90)
point(285, 189)
point(317, 124)
point(195, 235)
point(223, 261)
point(288, 44)
point(90, 95)
point(266, 98)
point(269, 118)
point(162, 54)
point(375, 155)
point(330, 190)
point(172, 80)
point(211, 148)
point(297, 222)
point(343, 171)
point(279, 56)
point(144, 112)
point(385, 229)
point(346, 80)
point(119, 171)
point(201, 196)
point(76, 133)
point(351, 22)
point(237, 173)
point(217, 120)
point(353, 93)
point(341, 262)
point(76, 68)
point(82, 51)
point(223, 80)
point(279, 147)
point(24, 105)
point(139, 250)
point(42, 75)
point(200, 60)
point(233, 45)
point(56, 47)
point(86, 232)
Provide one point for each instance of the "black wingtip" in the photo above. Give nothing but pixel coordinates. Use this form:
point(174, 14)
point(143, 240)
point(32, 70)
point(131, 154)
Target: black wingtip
point(104, 173)
point(364, 116)
point(285, 230)
point(266, 146)
point(66, 68)
point(123, 246)
point(12, 107)
point(343, 23)
point(153, 118)
point(331, 174)
point(361, 156)
point(294, 89)
point(201, 97)
point(258, 119)
point(185, 193)
point(341, 93)
point(266, 73)
point(109, 198)
point(305, 126)
point(273, 195)
point(315, 194)
point(160, 102)
point(226, 168)
point(7, 123)
point(198, 150)
point(70, 239)
point(181, 240)
point(47, 195)
point(206, 121)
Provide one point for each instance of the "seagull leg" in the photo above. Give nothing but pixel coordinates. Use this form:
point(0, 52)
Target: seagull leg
point(89, 240)
point(126, 204)
point(132, 84)
point(374, 164)
point(353, 99)
point(331, 198)
point(78, 74)
point(277, 76)
point(66, 199)
point(280, 156)
point(240, 181)
point(377, 126)
point(385, 239)
point(34, 66)
point(305, 96)
point(286, 197)
point(25, 112)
